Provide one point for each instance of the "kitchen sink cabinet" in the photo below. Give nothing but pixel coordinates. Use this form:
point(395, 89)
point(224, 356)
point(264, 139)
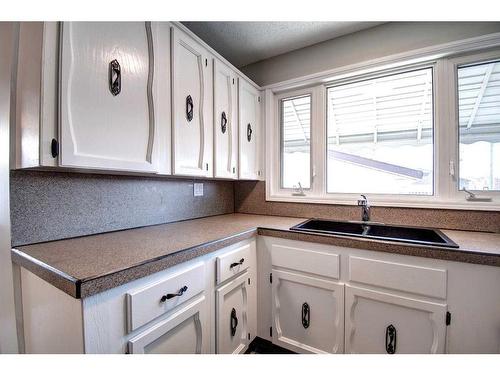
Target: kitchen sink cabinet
point(379, 323)
point(389, 303)
point(308, 313)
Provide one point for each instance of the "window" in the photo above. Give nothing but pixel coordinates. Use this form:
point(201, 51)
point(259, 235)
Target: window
point(412, 133)
point(296, 142)
point(380, 135)
point(479, 126)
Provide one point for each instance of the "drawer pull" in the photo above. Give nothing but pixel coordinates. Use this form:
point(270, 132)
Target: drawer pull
point(236, 263)
point(172, 295)
point(390, 339)
point(234, 322)
point(306, 315)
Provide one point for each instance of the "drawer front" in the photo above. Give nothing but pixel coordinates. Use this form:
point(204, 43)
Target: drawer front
point(233, 262)
point(146, 303)
point(425, 281)
point(305, 260)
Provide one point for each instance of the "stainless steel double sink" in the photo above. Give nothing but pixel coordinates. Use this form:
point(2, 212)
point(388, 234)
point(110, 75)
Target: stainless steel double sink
point(406, 234)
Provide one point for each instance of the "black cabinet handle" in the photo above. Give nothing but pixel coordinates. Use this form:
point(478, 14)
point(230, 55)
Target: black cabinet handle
point(249, 132)
point(115, 77)
point(223, 122)
point(172, 295)
point(390, 339)
point(306, 315)
point(237, 263)
point(234, 322)
point(189, 108)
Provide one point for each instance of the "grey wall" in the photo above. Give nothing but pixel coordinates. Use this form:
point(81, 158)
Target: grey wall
point(379, 41)
point(49, 205)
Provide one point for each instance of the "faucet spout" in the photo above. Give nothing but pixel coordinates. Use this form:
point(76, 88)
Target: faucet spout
point(365, 208)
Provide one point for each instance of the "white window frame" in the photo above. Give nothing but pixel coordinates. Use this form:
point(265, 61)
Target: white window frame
point(445, 128)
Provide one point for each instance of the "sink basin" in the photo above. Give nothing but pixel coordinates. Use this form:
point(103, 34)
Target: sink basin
point(414, 235)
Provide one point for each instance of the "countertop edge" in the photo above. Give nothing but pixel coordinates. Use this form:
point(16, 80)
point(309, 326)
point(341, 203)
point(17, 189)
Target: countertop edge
point(82, 288)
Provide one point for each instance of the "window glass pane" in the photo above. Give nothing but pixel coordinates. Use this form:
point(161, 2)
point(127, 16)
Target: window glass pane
point(479, 126)
point(380, 135)
point(296, 142)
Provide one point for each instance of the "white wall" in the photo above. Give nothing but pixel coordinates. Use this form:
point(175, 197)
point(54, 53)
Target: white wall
point(379, 41)
point(8, 336)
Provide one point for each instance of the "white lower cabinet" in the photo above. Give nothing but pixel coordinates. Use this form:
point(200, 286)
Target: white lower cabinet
point(183, 332)
point(308, 313)
point(380, 322)
point(232, 315)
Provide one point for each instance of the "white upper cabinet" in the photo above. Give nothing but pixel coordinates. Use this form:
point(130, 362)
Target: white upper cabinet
point(107, 96)
point(192, 107)
point(225, 121)
point(249, 131)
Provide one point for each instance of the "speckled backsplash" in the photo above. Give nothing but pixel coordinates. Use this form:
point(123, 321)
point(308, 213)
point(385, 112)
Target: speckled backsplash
point(250, 197)
point(48, 206)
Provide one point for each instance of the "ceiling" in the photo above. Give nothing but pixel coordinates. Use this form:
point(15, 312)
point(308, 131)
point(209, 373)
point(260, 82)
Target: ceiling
point(243, 43)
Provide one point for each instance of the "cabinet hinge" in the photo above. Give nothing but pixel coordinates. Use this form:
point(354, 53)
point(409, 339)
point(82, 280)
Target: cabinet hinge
point(54, 148)
point(448, 318)
point(248, 281)
point(271, 277)
point(233, 81)
point(249, 337)
point(206, 62)
point(271, 331)
point(258, 99)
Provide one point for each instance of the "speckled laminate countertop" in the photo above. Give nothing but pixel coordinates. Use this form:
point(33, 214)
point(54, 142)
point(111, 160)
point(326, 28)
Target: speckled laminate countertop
point(88, 265)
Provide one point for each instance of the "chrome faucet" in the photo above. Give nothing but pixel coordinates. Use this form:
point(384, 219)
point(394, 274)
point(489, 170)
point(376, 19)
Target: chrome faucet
point(365, 207)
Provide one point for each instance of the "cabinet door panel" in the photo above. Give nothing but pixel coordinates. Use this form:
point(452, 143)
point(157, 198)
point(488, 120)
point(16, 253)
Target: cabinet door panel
point(249, 131)
point(225, 122)
point(308, 313)
point(183, 332)
point(418, 326)
point(232, 316)
point(192, 107)
point(100, 128)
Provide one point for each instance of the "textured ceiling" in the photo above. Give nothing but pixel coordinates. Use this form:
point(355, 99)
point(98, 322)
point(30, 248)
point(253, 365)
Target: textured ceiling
point(243, 43)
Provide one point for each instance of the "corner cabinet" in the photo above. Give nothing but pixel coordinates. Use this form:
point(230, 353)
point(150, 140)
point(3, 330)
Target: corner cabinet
point(192, 106)
point(250, 131)
point(225, 121)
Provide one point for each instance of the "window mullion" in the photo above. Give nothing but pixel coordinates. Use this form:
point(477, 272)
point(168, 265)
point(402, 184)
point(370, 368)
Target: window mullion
point(319, 136)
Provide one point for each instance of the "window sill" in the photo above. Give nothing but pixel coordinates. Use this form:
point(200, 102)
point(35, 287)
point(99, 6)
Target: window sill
point(413, 202)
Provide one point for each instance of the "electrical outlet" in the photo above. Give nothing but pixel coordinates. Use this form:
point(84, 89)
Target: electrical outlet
point(198, 189)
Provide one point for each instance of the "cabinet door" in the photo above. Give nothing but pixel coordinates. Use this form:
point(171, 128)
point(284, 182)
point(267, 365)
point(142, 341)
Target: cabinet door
point(183, 332)
point(192, 107)
point(233, 316)
point(308, 313)
point(249, 131)
point(106, 96)
point(379, 322)
point(225, 122)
